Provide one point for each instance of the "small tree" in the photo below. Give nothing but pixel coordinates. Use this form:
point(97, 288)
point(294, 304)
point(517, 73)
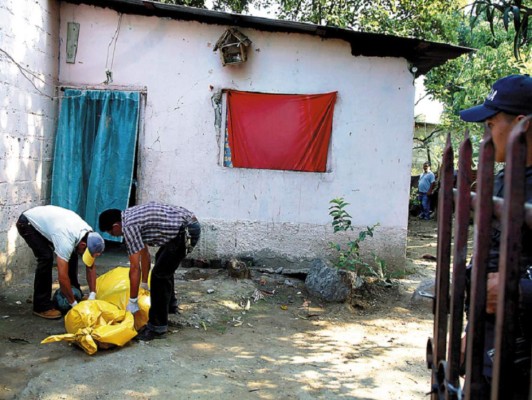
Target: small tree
point(511, 13)
point(348, 255)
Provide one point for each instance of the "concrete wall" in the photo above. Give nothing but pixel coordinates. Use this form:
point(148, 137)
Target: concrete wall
point(278, 217)
point(29, 68)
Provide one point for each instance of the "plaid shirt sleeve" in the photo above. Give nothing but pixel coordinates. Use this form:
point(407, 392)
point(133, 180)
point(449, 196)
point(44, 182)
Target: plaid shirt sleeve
point(133, 238)
point(152, 224)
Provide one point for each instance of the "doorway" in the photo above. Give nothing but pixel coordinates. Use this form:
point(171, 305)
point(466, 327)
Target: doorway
point(95, 152)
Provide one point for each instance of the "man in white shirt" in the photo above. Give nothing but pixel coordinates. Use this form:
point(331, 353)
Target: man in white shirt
point(51, 229)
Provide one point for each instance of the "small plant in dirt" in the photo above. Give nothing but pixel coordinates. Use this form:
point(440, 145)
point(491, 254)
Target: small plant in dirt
point(348, 255)
point(414, 205)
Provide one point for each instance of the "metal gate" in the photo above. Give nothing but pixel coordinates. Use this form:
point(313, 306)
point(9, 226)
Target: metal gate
point(443, 349)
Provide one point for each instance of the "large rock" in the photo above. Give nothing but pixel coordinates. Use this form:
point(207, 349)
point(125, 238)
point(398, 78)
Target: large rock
point(330, 283)
point(419, 297)
point(238, 269)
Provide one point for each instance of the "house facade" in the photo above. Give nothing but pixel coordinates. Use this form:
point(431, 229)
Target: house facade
point(29, 52)
point(166, 53)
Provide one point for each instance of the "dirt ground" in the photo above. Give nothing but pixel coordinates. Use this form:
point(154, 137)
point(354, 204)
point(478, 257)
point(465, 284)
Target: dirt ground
point(262, 338)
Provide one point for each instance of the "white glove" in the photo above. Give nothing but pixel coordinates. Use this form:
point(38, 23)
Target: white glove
point(92, 296)
point(73, 304)
point(144, 285)
point(133, 305)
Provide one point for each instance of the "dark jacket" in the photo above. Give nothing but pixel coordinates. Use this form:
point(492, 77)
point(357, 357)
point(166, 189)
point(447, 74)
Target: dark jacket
point(524, 332)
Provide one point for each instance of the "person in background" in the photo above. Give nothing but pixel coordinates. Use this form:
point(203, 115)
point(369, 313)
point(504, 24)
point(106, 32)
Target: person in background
point(51, 229)
point(425, 186)
point(508, 103)
point(176, 231)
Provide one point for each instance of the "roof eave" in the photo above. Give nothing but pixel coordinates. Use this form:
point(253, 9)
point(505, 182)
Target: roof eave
point(424, 55)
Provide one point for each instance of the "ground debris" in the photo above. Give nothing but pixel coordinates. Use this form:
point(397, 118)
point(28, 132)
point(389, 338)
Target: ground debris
point(299, 273)
point(214, 331)
point(18, 340)
point(257, 295)
point(238, 269)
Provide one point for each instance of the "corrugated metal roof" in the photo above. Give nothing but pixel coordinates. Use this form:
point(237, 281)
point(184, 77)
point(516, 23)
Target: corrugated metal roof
point(422, 54)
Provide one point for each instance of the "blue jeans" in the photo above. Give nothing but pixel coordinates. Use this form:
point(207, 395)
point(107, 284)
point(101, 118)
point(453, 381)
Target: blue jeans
point(425, 205)
point(167, 260)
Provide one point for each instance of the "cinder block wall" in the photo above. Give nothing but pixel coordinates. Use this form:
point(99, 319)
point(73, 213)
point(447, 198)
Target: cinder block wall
point(29, 47)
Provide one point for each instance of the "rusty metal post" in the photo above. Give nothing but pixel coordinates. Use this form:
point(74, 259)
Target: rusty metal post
point(461, 229)
point(481, 240)
point(512, 214)
point(445, 210)
point(509, 269)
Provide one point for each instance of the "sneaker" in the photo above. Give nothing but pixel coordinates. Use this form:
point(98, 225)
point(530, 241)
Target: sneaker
point(147, 334)
point(49, 314)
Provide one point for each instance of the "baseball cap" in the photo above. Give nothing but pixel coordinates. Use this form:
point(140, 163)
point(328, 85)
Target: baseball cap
point(95, 245)
point(511, 94)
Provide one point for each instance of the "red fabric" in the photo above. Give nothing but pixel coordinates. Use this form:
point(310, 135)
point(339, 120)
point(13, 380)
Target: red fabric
point(279, 131)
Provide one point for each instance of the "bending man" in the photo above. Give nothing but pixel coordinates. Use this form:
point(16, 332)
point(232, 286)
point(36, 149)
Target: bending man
point(176, 231)
point(48, 230)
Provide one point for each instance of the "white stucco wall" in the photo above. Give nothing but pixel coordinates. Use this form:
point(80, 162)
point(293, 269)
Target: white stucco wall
point(275, 216)
point(28, 65)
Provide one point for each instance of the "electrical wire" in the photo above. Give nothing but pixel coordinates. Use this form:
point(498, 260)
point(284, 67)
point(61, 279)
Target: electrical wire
point(114, 40)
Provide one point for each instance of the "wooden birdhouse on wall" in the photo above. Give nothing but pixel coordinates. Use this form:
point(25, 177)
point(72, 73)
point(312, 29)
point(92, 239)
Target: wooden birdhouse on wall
point(233, 46)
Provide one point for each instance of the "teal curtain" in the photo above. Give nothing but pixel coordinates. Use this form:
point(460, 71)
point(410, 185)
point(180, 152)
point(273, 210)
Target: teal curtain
point(95, 151)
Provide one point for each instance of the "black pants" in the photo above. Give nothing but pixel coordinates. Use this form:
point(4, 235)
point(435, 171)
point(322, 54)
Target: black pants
point(43, 250)
point(167, 261)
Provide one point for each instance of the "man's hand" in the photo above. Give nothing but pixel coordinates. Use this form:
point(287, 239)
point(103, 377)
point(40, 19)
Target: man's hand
point(133, 305)
point(64, 280)
point(492, 292)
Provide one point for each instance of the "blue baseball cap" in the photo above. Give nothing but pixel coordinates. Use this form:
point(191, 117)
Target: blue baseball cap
point(95, 246)
point(512, 95)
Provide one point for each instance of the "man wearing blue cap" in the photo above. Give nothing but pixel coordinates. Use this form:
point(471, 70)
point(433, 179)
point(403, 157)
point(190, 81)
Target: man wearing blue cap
point(51, 229)
point(507, 104)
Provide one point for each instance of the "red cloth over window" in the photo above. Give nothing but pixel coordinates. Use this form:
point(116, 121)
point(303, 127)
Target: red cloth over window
point(279, 131)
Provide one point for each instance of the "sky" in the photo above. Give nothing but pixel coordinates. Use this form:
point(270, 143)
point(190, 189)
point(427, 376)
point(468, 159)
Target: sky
point(429, 107)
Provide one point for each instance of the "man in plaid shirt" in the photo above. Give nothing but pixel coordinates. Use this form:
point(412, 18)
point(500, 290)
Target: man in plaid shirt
point(176, 231)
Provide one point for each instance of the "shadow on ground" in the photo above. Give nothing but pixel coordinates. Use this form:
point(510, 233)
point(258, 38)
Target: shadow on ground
point(259, 338)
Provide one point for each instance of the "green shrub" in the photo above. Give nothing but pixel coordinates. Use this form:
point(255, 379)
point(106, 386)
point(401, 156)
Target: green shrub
point(348, 255)
point(414, 197)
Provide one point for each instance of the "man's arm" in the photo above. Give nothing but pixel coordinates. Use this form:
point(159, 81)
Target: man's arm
point(432, 184)
point(134, 274)
point(525, 293)
point(431, 188)
point(64, 280)
point(492, 295)
point(145, 263)
point(91, 277)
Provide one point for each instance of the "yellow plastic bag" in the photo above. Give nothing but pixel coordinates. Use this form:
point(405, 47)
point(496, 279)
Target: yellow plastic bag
point(96, 323)
point(104, 322)
point(113, 287)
